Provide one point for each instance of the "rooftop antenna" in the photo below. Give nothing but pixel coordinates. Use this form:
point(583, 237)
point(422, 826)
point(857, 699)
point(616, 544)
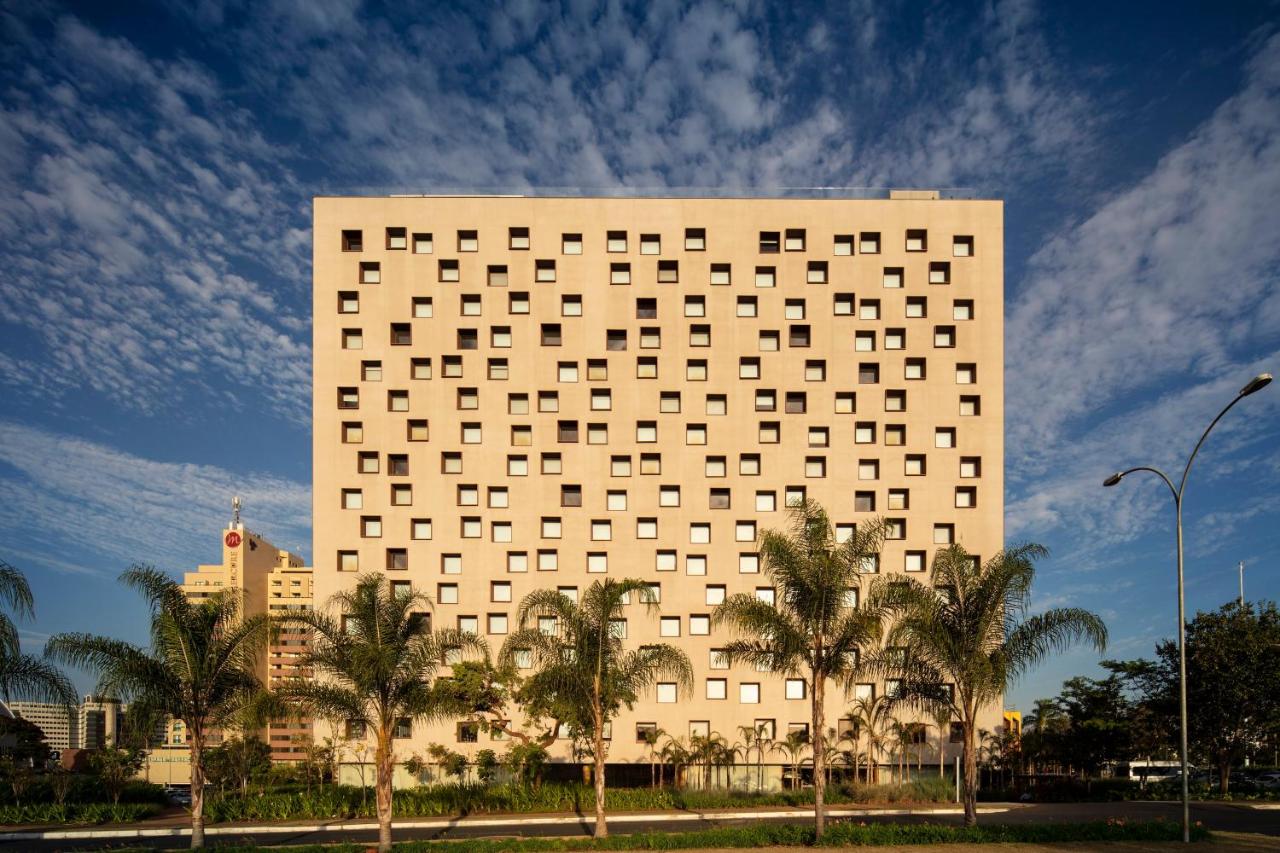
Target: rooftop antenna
point(235, 512)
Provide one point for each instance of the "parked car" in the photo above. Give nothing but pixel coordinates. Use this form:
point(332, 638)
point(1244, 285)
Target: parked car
point(178, 796)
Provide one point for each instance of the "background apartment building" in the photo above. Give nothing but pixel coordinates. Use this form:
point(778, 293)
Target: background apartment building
point(93, 724)
point(269, 580)
point(519, 393)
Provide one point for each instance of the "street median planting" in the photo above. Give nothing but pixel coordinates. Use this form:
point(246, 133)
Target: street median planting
point(342, 801)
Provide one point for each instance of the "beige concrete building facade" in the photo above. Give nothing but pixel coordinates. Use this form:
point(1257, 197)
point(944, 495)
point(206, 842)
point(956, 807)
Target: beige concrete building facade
point(517, 393)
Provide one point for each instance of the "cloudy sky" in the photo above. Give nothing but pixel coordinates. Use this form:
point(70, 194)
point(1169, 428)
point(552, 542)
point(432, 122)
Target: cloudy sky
point(157, 164)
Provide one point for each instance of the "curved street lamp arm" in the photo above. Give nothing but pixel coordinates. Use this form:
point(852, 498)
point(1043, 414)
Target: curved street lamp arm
point(1187, 470)
point(1177, 498)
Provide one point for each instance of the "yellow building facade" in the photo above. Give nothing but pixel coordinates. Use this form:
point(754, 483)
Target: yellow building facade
point(515, 393)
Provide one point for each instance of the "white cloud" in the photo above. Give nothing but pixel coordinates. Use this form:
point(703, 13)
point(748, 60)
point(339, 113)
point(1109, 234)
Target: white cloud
point(65, 493)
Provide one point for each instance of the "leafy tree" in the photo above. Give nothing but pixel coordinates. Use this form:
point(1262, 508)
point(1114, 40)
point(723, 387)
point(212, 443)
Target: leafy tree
point(969, 629)
point(486, 766)
point(24, 676)
point(236, 761)
point(376, 658)
point(813, 631)
point(115, 766)
point(450, 763)
point(201, 666)
point(24, 742)
point(1233, 680)
point(676, 753)
point(581, 667)
point(486, 691)
point(1097, 714)
point(524, 761)
point(60, 783)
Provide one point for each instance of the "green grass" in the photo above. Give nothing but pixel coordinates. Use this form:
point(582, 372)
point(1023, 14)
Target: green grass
point(838, 835)
point(449, 800)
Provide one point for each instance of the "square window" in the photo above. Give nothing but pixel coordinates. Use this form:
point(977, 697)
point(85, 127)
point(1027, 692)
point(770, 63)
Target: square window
point(650, 244)
point(895, 338)
point(748, 564)
point(869, 309)
point(721, 274)
point(944, 336)
point(646, 367)
point(892, 277)
point(571, 244)
point(917, 240)
point(518, 239)
point(352, 339)
point(766, 276)
point(468, 241)
point(699, 533)
point(370, 272)
point(970, 466)
point(695, 239)
point(749, 694)
point(665, 561)
point(770, 242)
point(423, 243)
point(917, 307)
point(869, 243)
point(846, 402)
point(715, 595)
point(868, 469)
point(962, 246)
point(815, 370)
point(914, 561)
point(970, 405)
point(620, 466)
point(915, 465)
point(352, 240)
point(500, 591)
point(817, 272)
point(451, 564)
point(447, 270)
point(717, 688)
point(353, 432)
point(517, 562)
point(669, 626)
point(843, 304)
point(548, 560)
point(497, 623)
point(795, 240)
point(668, 496)
point(864, 341)
point(749, 464)
point(747, 306)
point(796, 688)
point(939, 272)
point(966, 374)
point(668, 271)
point(843, 245)
point(646, 528)
point(352, 499)
point(944, 534)
point(944, 437)
point(597, 563)
point(498, 275)
point(615, 241)
point(348, 302)
point(966, 497)
point(766, 501)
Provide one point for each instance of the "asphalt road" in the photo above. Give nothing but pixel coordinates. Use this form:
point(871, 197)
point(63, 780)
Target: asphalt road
point(1219, 816)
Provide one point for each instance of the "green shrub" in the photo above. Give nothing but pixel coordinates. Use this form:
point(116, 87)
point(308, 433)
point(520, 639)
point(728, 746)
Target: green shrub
point(41, 813)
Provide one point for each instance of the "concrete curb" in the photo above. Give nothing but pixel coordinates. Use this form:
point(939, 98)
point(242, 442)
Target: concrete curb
point(445, 823)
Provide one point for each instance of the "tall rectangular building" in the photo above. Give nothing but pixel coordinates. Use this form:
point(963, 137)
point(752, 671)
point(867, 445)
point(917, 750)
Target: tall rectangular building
point(515, 393)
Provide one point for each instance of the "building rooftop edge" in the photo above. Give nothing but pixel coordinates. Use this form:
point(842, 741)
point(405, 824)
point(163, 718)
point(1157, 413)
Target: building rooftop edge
point(678, 193)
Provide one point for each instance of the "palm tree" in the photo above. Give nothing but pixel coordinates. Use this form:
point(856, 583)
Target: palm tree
point(793, 747)
point(201, 666)
point(650, 739)
point(376, 660)
point(872, 714)
point(967, 638)
point(676, 753)
point(814, 630)
point(24, 676)
point(940, 714)
point(580, 665)
point(755, 738)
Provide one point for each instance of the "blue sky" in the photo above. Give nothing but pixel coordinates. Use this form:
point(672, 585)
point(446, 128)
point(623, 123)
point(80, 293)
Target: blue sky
point(157, 164)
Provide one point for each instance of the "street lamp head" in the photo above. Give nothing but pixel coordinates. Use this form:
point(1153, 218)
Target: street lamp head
point(1113, 479)
point(1257, 383)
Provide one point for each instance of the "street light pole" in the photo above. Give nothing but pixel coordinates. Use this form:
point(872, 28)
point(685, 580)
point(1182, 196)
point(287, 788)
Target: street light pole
point(1242, 584)
point(1259, 382)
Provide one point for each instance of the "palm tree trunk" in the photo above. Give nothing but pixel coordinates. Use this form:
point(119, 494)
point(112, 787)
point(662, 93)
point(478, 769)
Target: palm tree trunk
point(819, 758)
point(970, 775)
point(942, 751)
point(197, 790)
point(385, 770)
point(602, 828)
